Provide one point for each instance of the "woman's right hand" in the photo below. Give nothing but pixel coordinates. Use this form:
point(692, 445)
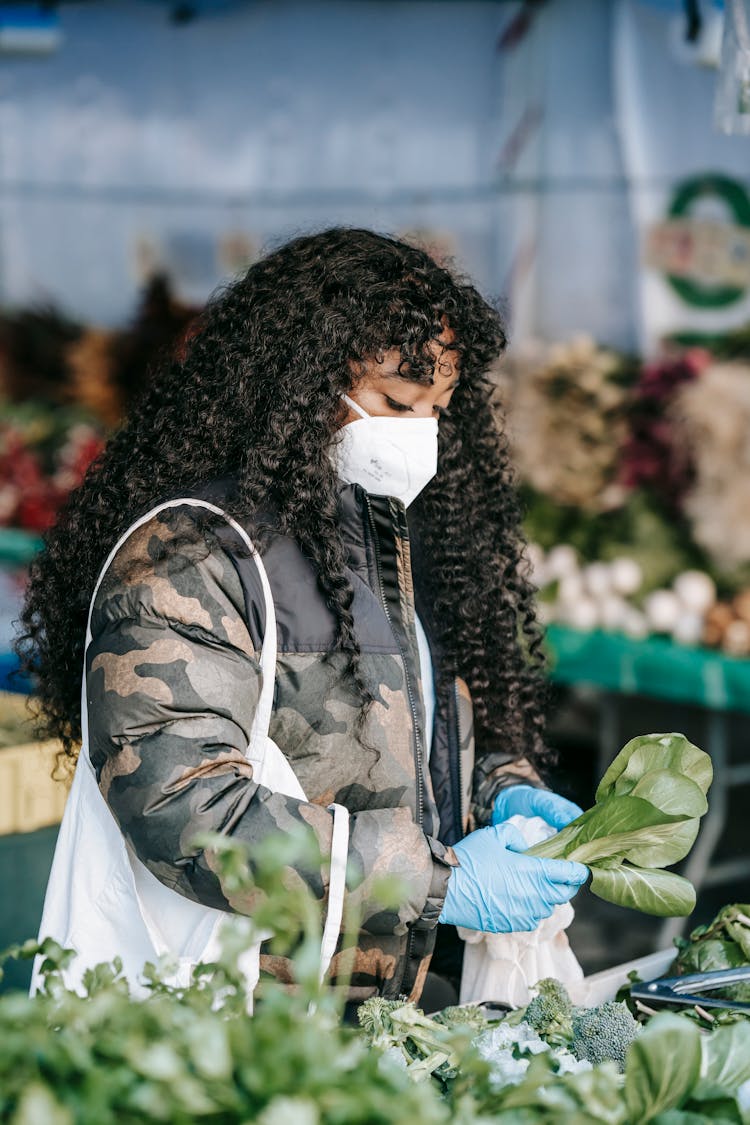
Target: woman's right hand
point(498, 889)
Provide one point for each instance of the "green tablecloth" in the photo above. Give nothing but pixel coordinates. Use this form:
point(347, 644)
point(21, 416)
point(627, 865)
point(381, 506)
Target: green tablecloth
point(25, 862)
point(655, 667)
point(17, 547)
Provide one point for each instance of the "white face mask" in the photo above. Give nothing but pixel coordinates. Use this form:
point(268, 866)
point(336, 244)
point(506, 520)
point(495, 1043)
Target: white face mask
point(387, 456)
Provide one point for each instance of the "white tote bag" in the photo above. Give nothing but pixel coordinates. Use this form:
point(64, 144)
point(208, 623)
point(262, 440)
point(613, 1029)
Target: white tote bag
point(103, 902)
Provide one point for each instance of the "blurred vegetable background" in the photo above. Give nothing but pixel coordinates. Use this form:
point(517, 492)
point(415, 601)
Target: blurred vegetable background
point(635, 483)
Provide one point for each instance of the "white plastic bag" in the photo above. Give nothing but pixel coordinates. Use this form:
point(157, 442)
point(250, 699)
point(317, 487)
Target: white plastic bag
point(504, 967)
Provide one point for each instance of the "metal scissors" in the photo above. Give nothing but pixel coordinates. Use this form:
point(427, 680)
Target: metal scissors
point(687, 990)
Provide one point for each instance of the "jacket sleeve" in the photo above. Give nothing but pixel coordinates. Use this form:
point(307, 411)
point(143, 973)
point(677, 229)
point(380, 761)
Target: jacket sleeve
point(493, 772)
point(173, 681)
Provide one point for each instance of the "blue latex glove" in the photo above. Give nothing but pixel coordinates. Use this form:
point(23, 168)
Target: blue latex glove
point(500, 890)
point(525, 800)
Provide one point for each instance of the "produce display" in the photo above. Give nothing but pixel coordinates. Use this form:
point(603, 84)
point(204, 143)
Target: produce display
point(634, 482)
point(193, 1054)
point(613, 595)
point(632, 473)
point(552, 1061)
point(63, 387)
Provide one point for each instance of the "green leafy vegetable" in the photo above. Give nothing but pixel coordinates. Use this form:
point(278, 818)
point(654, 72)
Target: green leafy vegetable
point(663, 1066)
point(722, 944)
point(649, 752)
point(646, 817)
point(672, 1072)
point(687, 1117)
point(726, 1056)
point(190, 1054)
point(647, 889)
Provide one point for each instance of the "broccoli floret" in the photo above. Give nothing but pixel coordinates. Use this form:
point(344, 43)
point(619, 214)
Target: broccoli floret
point(550, 1012)
point(375, 1014)
point(462, 1016)
point(604, 1033)
point(423, 1042)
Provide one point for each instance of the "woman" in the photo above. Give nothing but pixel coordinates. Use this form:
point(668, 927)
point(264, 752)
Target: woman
point(334, 401)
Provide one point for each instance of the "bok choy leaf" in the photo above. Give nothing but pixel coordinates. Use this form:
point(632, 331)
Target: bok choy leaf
point(646, 817)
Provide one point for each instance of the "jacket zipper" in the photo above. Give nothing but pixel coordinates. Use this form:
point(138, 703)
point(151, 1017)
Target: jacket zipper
point(412, 705)
point(410, 695)
point(459, 794)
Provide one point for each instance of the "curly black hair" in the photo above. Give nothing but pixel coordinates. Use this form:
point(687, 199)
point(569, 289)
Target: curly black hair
point(256, 393)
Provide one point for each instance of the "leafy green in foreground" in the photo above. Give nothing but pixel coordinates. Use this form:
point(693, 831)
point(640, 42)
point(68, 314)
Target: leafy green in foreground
point(646, 817)
point(193, 1054)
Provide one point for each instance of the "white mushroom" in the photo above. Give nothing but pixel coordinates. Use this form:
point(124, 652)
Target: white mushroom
point(663, 610)
point(598, 579)
point(561, 560)
point(626, 576)
point(696, 590)
point(571, 589)
point(613, 612)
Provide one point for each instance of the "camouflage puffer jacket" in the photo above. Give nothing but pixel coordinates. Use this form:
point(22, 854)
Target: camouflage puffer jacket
point(173, 680)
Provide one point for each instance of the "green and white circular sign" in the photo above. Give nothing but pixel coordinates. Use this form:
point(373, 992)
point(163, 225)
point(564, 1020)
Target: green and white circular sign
point(690, 200)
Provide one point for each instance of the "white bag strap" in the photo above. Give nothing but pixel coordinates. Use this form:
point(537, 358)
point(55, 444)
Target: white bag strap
point(261, 720)
point(336, 886)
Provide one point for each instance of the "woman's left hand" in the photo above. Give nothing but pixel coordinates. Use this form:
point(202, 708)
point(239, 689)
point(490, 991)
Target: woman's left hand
point(526, 800)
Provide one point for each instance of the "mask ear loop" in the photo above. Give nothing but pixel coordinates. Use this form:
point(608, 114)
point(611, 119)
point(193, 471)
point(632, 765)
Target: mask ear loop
point(356, 407)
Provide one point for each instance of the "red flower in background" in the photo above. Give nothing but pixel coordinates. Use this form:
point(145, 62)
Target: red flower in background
point(30, 495)
point(37, 512)
point(83, 445)
point(651, 458)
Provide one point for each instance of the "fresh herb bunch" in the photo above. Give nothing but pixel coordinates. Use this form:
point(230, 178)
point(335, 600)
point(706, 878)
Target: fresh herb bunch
point(105, 1059)
point(646, 817)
